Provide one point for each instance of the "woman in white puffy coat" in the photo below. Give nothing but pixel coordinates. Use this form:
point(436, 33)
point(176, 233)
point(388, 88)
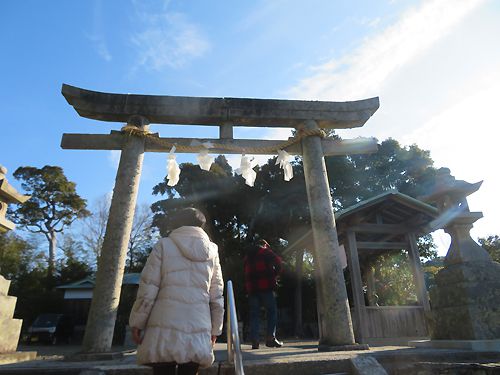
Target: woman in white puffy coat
point(179, 308)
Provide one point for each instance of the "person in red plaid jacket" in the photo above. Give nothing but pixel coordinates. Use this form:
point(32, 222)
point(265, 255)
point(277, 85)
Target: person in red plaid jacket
point(262, 267)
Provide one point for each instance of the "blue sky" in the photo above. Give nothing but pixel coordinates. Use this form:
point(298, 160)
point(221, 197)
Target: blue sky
point(435, 65)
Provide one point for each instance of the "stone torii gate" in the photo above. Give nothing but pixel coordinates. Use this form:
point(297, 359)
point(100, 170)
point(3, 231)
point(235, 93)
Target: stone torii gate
point(138, 111)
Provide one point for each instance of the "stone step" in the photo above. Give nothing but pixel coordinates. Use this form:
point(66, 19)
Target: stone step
point(16, 357)
point(9, 334)
point(448, 368)
point(440, 361)
point(4, 286)
point(286, 366)
point(134, 370)
point(367, 365)
point(292, 366)
point(297, 360)
point(7, 306)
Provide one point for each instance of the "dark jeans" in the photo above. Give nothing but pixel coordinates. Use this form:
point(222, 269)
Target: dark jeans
point(256, 300)
point(168, 368)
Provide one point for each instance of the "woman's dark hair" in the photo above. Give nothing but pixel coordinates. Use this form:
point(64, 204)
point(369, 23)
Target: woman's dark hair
point(191, 217)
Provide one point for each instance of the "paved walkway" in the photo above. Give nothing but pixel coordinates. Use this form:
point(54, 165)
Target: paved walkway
point(293, 358)
point(299, 349)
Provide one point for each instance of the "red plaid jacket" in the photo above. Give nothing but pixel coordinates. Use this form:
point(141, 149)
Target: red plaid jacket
point(261, 270)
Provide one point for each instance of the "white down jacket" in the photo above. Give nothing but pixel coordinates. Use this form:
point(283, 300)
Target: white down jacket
point(179, 303)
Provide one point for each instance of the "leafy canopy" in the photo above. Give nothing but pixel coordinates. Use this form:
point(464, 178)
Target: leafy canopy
point(54, 202)
point(492, 245)
point(355, 178)
point(274, 209)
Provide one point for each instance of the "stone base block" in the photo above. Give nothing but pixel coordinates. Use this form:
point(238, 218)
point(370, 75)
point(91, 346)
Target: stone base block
point(9, 334)
point(466, 302)
point(8, 304)
point(475, 345)
point(16, 357)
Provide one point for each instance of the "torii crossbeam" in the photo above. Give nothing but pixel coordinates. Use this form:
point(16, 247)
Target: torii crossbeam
point(141, 110)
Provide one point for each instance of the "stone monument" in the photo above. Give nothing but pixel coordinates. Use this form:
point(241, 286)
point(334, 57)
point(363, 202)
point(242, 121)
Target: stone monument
point(466, 299)
point(10, 328)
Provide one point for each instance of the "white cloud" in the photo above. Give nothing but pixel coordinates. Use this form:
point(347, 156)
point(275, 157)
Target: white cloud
point(433, 73)
point(370, 22)
point(101, 47)
point(167, 40)
point(261, 13)
point(471, 133)
point(364, 70)
point(103, 51)
point(96, 36)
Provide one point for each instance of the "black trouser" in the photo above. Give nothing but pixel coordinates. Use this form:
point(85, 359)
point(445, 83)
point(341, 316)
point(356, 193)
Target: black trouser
point(168, 368)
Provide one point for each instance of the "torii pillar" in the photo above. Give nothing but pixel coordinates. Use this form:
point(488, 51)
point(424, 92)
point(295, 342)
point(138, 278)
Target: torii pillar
point(102, 315)
point(333, 305)
point(140, 110)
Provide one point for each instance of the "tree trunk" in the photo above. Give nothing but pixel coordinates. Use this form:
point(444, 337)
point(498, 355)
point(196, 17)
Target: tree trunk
point(52, 253)
point(130, 257)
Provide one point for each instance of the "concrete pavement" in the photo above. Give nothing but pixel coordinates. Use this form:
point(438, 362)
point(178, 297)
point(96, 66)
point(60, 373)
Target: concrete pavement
point(299, 357)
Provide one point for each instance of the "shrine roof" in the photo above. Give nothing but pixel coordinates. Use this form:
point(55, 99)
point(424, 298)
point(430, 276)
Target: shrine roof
point(393, 207)
point(89, 282)
point(218, 111)
point(86, 283)
point(384, 218)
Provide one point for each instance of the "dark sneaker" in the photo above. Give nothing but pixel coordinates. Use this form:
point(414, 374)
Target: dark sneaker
point(274, 343)
point(255, 345)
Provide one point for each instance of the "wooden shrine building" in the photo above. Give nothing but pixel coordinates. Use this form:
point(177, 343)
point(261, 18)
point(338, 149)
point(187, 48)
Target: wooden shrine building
point(388, 223)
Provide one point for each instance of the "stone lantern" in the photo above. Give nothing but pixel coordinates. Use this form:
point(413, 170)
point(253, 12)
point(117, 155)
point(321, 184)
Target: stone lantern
point(7, 195)
point(465, 302)
point(10, 328)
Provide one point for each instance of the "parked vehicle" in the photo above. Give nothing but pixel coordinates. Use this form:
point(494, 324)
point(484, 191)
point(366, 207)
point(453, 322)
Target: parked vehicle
point(51, 328)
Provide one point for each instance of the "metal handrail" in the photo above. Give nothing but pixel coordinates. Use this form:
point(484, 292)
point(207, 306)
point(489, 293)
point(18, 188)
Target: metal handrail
point(233, 337)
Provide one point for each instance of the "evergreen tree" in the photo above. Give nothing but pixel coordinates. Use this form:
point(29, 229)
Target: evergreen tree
point(54, 205)
point(492, 245)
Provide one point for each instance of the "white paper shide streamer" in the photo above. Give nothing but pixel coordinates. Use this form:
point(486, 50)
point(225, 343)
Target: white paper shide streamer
point(246, 170)
point(283, 160)
point(173, 170)
point(204, 160)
